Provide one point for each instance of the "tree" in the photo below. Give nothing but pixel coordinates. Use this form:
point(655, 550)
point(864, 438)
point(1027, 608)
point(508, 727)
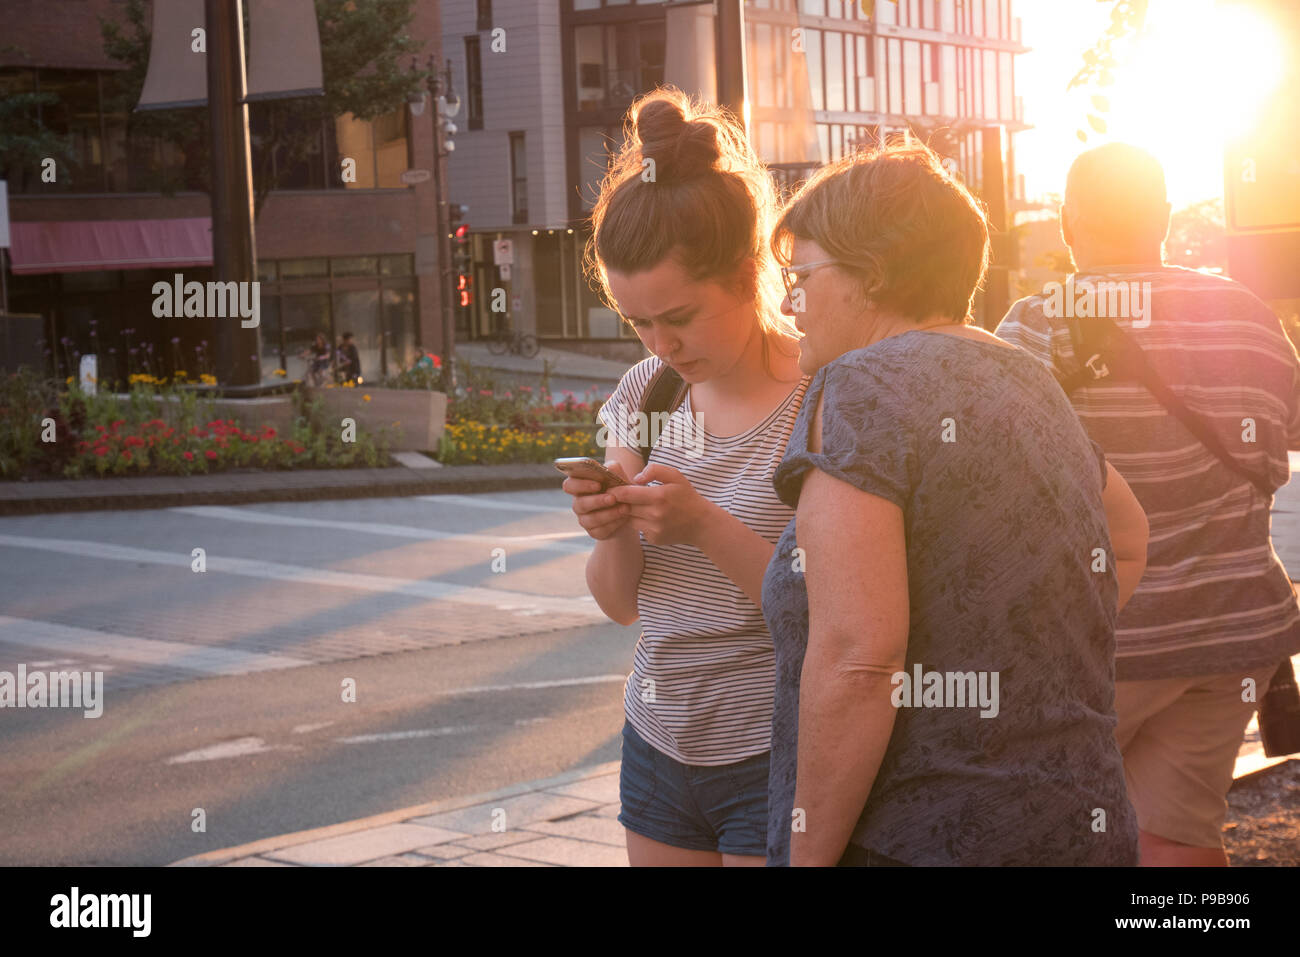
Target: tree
point(24, 142)
point(1196, 236)
point(1099, 63)
point(361, 44)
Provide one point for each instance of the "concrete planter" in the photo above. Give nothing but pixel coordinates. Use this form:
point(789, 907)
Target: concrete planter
point(414, 417)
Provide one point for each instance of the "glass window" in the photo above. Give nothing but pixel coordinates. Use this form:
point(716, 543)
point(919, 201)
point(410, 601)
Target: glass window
point(75, 115)
point(354, 143)
point(389, 133)
point(589, 59)
point(268, 332)
point(834, 61)
point(474, 83)
point(400, 317)
point(354, 265)
point(304, 268)
point(266, 270)
point(763, 71)
point(302, 318)
point(813, 53)
point(357, 312)
point(401, 265)
point(519, 177)
point(814, 8)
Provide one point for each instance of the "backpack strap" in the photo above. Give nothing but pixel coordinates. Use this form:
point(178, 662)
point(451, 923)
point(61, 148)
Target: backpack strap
point(1112, 353)
point(665, 391)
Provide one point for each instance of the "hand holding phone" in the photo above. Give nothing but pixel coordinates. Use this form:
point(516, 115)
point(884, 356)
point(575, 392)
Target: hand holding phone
point(599, 513)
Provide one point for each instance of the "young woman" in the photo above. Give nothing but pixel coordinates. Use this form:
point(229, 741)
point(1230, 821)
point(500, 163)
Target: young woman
point(679, 248)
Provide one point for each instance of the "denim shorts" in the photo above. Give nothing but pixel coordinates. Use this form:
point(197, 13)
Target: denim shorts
point(722, 808)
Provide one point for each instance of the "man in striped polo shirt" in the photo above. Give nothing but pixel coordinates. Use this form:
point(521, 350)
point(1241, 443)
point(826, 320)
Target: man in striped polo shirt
point(1215, 613)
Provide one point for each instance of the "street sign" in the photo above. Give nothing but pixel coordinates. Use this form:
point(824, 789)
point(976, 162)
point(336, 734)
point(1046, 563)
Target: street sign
point(412, 176)
point(503, 252)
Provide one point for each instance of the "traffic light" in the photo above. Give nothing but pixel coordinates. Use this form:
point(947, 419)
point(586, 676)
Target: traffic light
point(462, 256)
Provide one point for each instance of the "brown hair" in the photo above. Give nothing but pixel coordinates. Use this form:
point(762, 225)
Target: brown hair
point(687, 184)
point(914, 236)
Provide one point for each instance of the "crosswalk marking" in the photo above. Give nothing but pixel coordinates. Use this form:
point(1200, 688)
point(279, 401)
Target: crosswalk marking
point(547, 541)
point(204, 659)
point(521, 603)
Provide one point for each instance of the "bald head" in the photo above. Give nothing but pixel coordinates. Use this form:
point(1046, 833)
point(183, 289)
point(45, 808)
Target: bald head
point(1115, 208)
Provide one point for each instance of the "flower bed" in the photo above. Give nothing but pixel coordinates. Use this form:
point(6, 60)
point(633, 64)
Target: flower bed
point(157, 430)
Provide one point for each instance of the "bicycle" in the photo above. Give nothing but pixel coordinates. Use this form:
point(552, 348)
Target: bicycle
point(519, 343)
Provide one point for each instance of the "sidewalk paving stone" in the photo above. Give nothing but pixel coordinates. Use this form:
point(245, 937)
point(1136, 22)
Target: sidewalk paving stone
point(363, 845)
point(519, 812)
point(585, 827)
point(569, 852)
point(488, 859)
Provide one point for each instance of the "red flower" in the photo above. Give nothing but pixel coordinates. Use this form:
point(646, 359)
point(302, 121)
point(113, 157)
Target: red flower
point(189, 456)
point(210, 454)
point(126, 456)
point(101, 428)
point(269, 432)
point(100, 450)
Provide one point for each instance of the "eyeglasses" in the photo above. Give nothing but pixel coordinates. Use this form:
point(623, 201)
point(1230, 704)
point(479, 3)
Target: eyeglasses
point(793, 275)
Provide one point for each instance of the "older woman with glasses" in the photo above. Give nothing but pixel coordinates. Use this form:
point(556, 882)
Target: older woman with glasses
point(943, 603)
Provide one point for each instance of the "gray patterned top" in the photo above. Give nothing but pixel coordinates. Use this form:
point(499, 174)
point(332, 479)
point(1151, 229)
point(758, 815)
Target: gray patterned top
point(1001, 497)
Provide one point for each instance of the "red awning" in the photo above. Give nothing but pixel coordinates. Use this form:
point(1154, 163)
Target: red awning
point(110, 244)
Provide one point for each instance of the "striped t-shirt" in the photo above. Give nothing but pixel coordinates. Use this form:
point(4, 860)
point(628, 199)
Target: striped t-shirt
point(701, 685)
point(1215, 597)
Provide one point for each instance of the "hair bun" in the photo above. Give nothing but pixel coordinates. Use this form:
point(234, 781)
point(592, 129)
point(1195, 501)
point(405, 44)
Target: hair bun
point(682, 149)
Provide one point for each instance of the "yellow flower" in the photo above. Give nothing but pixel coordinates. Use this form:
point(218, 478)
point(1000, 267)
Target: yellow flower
point(281, 372)
point(68, 381)
point(365, 398)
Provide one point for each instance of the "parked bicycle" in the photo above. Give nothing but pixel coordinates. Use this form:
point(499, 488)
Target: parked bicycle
point(513, 341)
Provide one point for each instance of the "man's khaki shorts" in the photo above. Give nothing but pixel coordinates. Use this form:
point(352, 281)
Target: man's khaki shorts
point(1180, 738)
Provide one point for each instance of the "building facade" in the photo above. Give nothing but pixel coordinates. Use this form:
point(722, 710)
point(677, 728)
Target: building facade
point(552, 81)
point(342, 247)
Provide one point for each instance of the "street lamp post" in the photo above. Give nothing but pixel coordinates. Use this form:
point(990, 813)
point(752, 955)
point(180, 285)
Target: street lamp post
point(446, 105)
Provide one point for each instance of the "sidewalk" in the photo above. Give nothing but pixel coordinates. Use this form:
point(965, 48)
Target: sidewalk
point(564, 364)
point(288, 485)
point(567, 820)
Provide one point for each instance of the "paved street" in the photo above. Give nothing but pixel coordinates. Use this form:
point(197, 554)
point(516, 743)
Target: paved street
point(224, 688)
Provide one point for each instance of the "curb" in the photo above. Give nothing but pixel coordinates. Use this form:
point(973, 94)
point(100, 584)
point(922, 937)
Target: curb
point(225, 855)
point(81, 495)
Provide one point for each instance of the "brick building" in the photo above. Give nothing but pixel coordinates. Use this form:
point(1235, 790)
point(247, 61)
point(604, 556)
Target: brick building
point(333, 256)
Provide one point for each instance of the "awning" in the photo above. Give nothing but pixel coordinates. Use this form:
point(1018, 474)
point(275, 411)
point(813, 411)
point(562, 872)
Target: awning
point(110, 244)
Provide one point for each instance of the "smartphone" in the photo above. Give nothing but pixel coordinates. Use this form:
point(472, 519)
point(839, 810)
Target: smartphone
point(588, 468)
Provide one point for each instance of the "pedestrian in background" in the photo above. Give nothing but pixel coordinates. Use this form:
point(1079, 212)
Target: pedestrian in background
point(1215, 613)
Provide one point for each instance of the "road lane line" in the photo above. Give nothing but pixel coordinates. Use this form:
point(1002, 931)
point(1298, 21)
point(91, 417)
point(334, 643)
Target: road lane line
point(521, 603)
point(230, 749)
point(499, 504)
point(204, 659)
point(547, 541)
point(530, 685)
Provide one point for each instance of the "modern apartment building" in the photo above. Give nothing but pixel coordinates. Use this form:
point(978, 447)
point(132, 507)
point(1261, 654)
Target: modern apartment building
point(549, 83)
